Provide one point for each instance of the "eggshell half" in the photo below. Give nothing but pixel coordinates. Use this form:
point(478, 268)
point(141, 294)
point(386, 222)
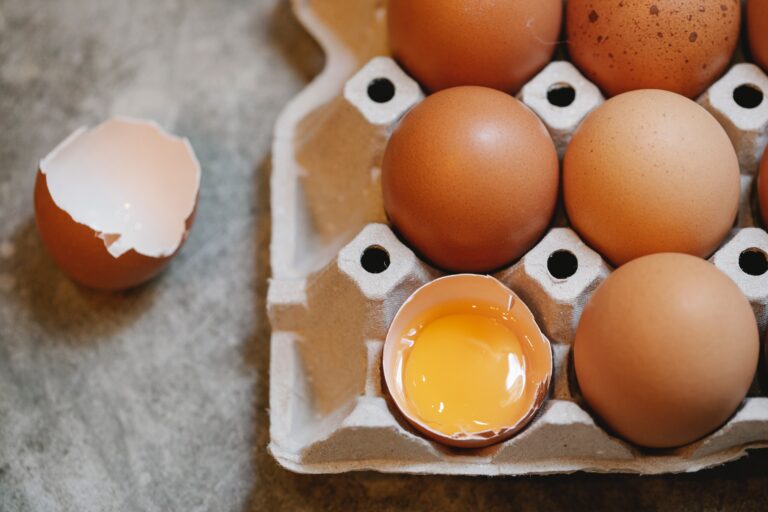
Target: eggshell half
point(462, 288)
point(666, 350)
point(114, 204)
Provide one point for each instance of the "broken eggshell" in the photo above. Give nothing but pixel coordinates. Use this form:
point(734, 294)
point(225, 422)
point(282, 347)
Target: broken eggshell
point(115, 203)
point(424, 306)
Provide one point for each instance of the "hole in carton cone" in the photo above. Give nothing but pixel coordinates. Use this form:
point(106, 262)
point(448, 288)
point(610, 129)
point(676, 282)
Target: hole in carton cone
point(562, 264)
point(561, 94)
point(375, 259)
point(753, 261)
point(748, 96)
point(381, 90)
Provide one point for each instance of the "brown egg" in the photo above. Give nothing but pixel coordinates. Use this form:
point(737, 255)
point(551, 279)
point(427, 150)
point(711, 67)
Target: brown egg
point(115, 203)
point(757, 27)
point(677, 45)
point(470, 178)
point(762, 187)
point(473, 42)
point(666, 350)
point(651, 171)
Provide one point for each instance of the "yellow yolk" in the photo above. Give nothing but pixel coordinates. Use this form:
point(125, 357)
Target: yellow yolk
point(466, 373)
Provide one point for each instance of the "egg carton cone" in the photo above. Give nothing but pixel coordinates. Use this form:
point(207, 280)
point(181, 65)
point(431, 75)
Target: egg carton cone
point(738, 101)
point(340, 273)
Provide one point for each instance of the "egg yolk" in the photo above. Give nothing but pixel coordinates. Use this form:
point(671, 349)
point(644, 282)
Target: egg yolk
point(466, 373)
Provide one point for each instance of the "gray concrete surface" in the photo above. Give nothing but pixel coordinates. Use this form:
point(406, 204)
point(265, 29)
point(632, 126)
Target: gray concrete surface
point(156, 399)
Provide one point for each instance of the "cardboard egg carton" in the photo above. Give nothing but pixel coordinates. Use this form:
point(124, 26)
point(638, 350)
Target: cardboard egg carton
point(340, 274)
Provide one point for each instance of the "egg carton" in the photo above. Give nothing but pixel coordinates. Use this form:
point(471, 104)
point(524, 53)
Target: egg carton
point(339, 274)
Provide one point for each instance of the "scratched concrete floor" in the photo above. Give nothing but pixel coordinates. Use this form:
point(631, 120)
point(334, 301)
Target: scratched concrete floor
point(155, 400)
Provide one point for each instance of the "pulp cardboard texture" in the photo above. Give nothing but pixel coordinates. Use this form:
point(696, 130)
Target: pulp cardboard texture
point(330, 307)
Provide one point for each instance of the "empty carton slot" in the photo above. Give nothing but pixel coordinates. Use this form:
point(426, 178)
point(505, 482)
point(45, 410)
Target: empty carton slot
point(748, 96)
point(381, 90)
point(561, 94)
point(375, 259)
point(562, 264)
point(753, 261)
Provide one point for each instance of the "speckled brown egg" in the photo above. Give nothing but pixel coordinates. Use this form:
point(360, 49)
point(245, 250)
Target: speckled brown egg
point(651, 171)
point(470, 178)
point(676, 45)
point(473, 42)
point(666, 350)
point(757, 27)
point(762, 187)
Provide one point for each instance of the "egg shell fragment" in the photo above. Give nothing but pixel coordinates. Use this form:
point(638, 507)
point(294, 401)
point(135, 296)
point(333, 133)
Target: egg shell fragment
point(114, 204)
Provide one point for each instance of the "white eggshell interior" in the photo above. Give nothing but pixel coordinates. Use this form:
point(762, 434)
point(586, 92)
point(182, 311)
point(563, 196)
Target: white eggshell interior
point(129, 181)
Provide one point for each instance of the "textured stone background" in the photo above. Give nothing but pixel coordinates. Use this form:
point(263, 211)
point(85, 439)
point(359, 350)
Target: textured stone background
point(155, 400)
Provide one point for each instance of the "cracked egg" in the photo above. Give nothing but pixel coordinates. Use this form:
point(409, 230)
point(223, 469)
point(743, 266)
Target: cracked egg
point(465, 362)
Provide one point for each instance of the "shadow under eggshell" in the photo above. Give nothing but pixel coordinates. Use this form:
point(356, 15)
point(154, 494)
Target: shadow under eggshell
point(82, 254)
